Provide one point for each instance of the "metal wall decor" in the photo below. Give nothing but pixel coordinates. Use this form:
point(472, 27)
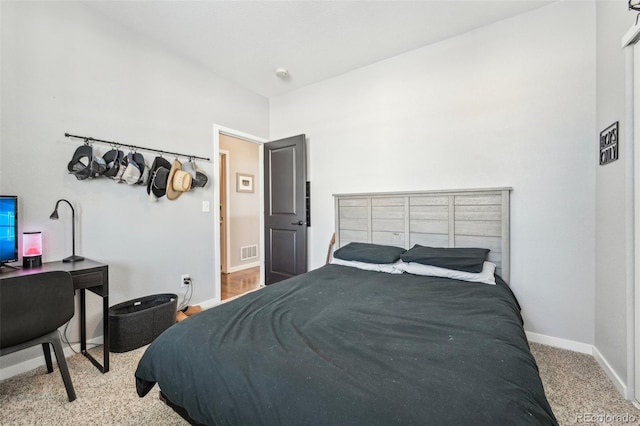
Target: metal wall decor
point(609, 148)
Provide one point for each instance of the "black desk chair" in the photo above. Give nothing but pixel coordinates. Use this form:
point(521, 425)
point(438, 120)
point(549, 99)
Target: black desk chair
point(32, 308)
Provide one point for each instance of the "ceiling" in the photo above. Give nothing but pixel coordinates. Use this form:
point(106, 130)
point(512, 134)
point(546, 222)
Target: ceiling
point(246, 41)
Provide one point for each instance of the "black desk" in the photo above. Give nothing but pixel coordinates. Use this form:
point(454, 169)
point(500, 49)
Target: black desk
point(87, 275)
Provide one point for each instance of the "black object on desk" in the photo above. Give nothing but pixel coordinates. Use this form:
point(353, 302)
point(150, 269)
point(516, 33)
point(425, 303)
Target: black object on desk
point(87, 275)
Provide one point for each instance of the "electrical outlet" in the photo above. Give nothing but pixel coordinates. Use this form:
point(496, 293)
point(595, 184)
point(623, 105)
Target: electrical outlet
point(185, 280)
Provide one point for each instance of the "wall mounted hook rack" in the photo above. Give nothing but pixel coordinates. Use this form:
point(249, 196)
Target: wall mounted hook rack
point(88, 140)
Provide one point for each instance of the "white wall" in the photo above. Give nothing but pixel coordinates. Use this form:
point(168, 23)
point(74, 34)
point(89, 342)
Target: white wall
point(67, 69)
point(511, 104)
point(612, 180)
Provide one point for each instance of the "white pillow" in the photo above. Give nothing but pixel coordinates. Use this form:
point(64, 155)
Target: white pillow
point(389, 268)
point(486, 276)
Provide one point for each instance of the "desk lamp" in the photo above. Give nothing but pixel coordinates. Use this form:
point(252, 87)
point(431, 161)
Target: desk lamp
point(54, 216)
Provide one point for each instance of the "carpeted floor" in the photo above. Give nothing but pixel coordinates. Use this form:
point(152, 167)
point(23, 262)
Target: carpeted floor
point(37, 398)
point(576, 387)
point(579, 391)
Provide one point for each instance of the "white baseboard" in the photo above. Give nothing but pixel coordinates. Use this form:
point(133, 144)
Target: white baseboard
point(215, 302)
point(209, 303)
point(557, 342)
point(617, 381)
point(585, 349)
point(243, 267)
point(32, 363)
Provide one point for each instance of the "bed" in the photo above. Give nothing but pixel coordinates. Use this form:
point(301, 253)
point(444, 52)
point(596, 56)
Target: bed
point(343, 345)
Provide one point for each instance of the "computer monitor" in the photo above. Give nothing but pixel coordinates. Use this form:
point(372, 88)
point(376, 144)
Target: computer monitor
point(8, 229)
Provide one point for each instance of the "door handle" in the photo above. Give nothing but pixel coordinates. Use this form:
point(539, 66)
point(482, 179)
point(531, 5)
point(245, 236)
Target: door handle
point(299, 223)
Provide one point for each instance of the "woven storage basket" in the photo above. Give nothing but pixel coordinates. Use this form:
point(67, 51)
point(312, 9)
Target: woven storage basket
point(138, 322)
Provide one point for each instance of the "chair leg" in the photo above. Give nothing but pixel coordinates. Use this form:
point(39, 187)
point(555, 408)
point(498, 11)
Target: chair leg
point(47, 357)
point(62, 364)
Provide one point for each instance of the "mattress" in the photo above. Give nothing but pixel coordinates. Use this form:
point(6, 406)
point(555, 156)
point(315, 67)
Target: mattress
point(343, 346)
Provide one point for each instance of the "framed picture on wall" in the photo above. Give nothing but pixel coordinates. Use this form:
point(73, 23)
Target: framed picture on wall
point(244, 182)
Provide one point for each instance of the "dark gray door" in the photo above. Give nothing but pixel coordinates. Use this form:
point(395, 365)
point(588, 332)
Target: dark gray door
point(285, 208)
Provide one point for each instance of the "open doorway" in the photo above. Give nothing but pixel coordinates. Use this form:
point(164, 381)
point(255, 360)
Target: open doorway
point(239, 238)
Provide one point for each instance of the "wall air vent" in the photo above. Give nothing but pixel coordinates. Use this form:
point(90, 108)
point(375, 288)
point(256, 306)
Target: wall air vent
point(248, 252)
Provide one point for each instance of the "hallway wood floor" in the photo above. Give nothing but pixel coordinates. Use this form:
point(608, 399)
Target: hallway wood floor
point(240, 282)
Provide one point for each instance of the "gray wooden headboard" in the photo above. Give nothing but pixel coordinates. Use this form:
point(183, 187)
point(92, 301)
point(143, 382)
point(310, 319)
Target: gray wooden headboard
point(450, 218)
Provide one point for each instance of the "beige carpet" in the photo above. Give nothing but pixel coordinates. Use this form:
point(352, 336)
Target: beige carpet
point(579, 391)
point(37, 398)
point(576, 388)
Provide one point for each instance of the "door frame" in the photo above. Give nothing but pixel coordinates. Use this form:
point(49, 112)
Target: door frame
point(224, 251)
point(632, 197)
point(217, 131)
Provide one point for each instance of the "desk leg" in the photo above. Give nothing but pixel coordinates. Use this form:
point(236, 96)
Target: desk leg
point(105, 330)
point(83, 323)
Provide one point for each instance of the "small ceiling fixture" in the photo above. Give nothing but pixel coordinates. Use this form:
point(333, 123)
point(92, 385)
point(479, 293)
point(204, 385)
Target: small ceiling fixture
point(284, 73)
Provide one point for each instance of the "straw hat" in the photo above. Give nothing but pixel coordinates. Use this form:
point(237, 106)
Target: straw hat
point(178, 182)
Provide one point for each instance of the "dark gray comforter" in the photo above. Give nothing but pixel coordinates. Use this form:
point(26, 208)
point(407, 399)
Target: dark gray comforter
point(342, 346)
